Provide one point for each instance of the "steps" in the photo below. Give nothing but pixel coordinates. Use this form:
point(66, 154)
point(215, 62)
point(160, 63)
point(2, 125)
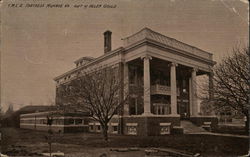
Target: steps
point(190, 128)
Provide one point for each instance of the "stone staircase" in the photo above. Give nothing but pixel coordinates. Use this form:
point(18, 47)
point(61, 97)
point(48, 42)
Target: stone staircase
point(190, 128)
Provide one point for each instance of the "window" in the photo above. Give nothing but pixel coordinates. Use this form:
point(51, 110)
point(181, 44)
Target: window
point(59, 122)
point(78, 121)
point(135, 107)
point(91, 127)
point(98, 127)
point(69, 121)
point(44, 121)
point(85, 122)
point(132, 106)
point(115, 128)
point(132, 75)
point(184, 83)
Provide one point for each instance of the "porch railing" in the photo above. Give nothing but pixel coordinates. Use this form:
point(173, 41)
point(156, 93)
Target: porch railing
point(162, 89)
point(161, 108)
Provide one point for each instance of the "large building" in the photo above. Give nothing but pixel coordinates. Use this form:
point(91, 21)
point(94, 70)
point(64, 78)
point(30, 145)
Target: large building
point(160, 76)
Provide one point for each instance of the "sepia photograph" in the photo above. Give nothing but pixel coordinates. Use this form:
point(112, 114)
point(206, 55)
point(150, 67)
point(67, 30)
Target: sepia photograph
point(124, 78)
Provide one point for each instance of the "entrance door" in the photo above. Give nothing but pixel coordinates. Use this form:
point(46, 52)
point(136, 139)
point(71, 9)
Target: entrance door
point(183, 109)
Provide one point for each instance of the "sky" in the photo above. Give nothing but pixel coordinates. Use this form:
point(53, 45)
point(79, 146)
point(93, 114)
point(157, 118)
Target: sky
point(38, 44)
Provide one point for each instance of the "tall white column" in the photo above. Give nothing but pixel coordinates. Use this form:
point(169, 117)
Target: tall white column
point(190, 97)
point(146, 80)
point(126, 89)
point(173, 88)
point(211, 89)
point(211, 85)
point(194, 93)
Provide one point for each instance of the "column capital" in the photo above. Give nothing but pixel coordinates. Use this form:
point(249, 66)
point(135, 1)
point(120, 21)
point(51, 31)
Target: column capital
point(195, 69)
point(146, 56)
point(123, 61)
point(174, 64)
point(211, 73)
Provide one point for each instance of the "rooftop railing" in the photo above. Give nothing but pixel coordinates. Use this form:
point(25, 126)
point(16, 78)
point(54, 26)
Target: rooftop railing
point(149, 34)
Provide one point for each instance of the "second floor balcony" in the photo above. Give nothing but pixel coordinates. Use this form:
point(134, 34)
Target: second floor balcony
point(162, 90)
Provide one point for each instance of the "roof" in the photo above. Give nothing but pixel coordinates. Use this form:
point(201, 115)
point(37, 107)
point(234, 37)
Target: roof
point(86, 58)
point(91, 62)
point(34, 108)
point(134, 39)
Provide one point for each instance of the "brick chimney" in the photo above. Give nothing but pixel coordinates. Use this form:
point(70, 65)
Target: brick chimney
point(107, 41)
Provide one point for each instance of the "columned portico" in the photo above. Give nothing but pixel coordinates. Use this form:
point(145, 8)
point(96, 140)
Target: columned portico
point(157, 92)
point(173, 89)
point(146, 86)
point(194, 102)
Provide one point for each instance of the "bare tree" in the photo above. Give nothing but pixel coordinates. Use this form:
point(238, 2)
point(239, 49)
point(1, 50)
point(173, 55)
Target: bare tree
point(231, 83)
point(97, 92)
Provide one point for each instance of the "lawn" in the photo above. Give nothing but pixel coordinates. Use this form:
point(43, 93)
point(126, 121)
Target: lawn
point(27, 141)
point(231, 129)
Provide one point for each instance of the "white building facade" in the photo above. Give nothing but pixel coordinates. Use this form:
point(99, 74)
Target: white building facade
point(160, 77)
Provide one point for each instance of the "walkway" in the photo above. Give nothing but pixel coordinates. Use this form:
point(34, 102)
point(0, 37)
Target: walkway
point(190, 128)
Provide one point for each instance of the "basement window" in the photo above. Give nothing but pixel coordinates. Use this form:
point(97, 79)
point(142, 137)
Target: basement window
point(165, 128)
point(131, 128)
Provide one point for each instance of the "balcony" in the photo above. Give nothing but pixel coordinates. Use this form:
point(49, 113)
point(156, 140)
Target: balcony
point(162, 90)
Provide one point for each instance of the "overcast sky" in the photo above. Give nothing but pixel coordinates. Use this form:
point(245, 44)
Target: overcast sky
point(39, 44)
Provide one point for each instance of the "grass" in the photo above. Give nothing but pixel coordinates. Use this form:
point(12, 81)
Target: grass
point(231, 129)
point(207, 145)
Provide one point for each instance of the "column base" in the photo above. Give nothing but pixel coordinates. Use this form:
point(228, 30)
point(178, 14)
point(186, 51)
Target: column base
point(147, 114)
point(174, 115)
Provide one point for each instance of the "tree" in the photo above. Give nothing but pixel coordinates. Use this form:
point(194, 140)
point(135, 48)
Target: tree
point(10, 110)
point(231, 83)
point(97, 92)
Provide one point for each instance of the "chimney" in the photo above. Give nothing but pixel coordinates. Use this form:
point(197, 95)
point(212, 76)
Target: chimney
point(107, 41)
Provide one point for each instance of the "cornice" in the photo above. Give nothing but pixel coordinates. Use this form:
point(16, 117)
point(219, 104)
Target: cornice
point(164, 47)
